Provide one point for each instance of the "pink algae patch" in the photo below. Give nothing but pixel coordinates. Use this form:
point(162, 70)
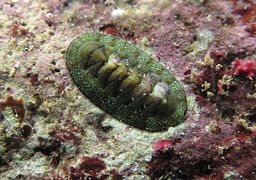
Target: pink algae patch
point(163, 144)
point(247, 67)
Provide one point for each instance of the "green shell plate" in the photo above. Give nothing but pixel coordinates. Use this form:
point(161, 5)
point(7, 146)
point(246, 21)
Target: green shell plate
point(126, 82)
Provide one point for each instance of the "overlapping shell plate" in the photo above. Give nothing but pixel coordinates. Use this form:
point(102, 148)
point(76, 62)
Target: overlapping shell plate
point(126, 82)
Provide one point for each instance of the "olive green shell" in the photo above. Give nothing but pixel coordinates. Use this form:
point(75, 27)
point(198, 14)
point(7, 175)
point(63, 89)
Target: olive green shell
point(126, 82)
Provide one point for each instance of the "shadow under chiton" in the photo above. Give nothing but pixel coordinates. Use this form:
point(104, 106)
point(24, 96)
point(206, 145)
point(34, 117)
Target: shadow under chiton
point(126, 82)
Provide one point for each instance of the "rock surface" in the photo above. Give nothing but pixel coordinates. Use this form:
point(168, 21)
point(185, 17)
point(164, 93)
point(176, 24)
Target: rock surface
point(49, 130)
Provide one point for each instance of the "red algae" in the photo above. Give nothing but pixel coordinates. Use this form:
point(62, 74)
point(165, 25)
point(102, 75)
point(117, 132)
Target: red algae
point(162, 145)
point(116, 175)
point(34, 79)
point(92, 165)
point(17, 30)
point(72, 132)
point(110, 29)
point(251, 28)
point(207, 156)
point(245, 67)
point(66, 135)
point(89, 167)
point(247, 10)
point(17, 106)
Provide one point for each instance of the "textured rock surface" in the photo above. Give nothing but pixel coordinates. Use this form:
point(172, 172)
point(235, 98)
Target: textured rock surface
point(50, 130)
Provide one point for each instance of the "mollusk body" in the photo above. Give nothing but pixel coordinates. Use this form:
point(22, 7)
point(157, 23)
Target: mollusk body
point(126, 82)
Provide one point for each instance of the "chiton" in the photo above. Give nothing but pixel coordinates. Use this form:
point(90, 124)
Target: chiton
point(126, 82)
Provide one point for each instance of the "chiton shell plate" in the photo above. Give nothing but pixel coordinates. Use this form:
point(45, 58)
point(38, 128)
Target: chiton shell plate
point(126, 82)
